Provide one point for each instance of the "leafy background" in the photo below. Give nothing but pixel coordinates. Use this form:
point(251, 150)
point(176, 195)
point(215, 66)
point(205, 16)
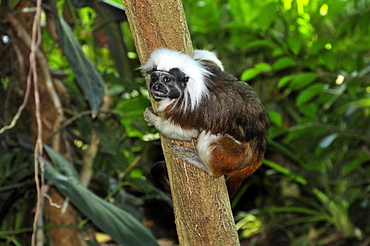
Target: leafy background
point(308, 61)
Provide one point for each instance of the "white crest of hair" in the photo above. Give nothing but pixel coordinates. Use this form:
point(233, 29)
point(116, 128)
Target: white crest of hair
point(208, 56)
point(166, 59)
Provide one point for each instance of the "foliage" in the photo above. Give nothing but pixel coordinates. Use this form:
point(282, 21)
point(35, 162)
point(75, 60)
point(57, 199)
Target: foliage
point(308, 61)
point(123, 227)
point(112, 110)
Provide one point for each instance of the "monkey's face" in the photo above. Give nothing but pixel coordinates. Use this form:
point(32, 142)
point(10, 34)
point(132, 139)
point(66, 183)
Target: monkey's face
point(167, 84)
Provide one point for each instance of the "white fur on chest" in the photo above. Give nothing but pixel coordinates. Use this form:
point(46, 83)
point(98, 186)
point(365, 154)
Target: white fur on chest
point(176, 132)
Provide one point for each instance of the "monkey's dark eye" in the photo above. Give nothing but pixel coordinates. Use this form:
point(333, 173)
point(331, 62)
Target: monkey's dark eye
point(166, 79)
point(154, 77)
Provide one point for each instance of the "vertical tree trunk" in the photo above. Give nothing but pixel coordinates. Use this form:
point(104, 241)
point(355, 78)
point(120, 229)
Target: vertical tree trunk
point(202, 209)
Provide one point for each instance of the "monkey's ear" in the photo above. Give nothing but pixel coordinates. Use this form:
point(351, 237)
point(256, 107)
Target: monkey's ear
point(185, 79)
point(150, 70)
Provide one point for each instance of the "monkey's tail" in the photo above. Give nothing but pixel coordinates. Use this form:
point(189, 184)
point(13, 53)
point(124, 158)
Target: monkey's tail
point(236, 178)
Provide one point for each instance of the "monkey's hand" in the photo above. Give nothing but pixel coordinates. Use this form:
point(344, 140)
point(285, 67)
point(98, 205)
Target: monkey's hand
point(168, 129)
point(150, 116)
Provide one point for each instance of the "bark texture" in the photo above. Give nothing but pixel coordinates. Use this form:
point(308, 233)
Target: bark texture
point(202, 209)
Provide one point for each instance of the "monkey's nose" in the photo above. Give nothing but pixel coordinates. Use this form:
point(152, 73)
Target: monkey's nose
point(159, 90)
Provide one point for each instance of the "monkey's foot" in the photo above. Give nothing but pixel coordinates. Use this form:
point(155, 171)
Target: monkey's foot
point(189, 155)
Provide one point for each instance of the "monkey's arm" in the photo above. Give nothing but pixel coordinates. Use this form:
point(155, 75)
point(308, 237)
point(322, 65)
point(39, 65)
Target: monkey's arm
point(169, 129)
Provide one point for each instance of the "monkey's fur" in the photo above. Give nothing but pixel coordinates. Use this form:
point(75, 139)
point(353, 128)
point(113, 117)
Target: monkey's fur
point(197, 99)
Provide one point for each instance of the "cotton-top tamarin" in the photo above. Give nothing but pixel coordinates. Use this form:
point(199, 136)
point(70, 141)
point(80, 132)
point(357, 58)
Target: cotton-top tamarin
point(197, 99)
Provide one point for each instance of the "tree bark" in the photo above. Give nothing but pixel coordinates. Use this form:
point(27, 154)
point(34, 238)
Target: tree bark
point(202, 209)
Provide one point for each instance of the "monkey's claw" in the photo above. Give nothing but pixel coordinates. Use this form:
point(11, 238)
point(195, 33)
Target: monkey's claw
point(189, 155)
point(149, 116)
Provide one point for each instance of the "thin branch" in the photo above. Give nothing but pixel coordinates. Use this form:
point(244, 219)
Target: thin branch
point(34, 44)
point(88, 159)
point(43, 67)
point(24, 103)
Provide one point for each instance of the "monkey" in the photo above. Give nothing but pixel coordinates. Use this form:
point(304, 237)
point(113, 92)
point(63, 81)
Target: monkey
point(197, 99)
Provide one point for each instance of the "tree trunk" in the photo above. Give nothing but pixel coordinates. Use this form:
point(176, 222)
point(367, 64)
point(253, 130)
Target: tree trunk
point(202, 209)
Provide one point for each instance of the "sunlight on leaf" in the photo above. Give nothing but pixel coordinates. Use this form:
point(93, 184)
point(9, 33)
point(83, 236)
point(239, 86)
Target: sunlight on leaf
point(283, 63)
point(302, 80)
point(328, 140)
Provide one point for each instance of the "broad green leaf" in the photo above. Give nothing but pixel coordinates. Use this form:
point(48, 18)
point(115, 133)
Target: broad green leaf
point(253, 72)
point(302, 80)
point(208, 25)
point(295, 43)
point(120, 225)
point(250, 74)
point(63, 166)
point(276, 118)
point(88, 78)
point(259, 44)
point(131, 113)
point(267, 16)
point(309, 109)
point(263, 67)
point(284, 80)
point(309, 93)
point(283, 63)
point(133, 107)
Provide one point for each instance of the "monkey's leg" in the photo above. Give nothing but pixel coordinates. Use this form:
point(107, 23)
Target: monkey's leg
point(236, 178)
point(191, 156)
point(235, 159)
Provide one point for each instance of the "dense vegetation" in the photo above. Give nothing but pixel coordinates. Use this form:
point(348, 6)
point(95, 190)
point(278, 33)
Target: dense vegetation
point(308, 61)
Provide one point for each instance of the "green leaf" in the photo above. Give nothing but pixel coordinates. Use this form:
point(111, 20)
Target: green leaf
point(120, 225)
point(276, 118)
point(295, 43)
point(284, 80)
point(309, 93)
point(267, 16)
point(63, 166)
point(283, 63)
point(249, 74)
point(263, 67)
point(285, 171)
point(88, 78)
point(309, 109)
point(253, 72)
point(259, 44)
point(302, 80)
